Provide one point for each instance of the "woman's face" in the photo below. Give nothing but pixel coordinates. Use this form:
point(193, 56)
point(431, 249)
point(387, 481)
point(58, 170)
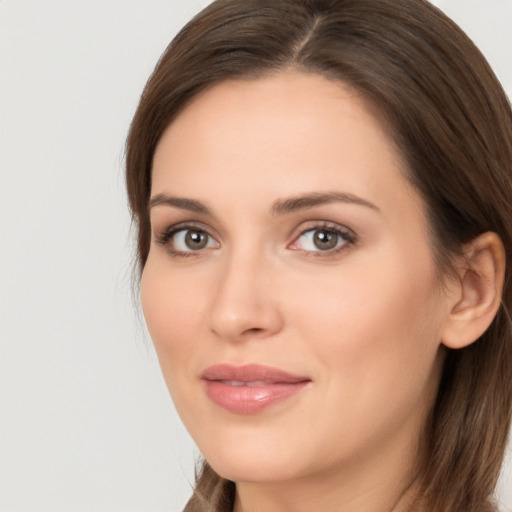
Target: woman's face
point(290, 288)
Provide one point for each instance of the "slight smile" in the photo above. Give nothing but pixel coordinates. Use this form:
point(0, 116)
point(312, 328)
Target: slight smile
point(249, 389)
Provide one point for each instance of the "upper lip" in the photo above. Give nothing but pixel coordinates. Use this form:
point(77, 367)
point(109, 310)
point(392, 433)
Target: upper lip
point(251, 373)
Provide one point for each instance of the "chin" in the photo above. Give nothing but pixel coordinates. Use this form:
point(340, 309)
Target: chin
point(261, 471)
point(255, 461)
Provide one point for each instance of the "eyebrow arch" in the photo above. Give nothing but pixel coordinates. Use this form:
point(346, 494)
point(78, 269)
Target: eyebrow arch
point(305, 201)
point(179, 202)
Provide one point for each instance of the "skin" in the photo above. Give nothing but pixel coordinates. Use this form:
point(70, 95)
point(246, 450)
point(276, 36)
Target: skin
point(363, 321)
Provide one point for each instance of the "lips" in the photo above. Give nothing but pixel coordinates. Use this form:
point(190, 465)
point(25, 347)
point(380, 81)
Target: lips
point(250, 388)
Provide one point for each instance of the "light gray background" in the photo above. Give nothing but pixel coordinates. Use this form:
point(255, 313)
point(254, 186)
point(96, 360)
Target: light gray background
point(86, 424)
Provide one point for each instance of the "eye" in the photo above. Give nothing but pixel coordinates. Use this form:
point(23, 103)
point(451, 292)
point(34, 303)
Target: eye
point(192, 240)
point(187, 240)
point(323, 239)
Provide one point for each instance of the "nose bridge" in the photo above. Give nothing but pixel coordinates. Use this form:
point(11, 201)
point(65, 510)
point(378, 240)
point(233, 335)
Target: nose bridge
point(244, 303)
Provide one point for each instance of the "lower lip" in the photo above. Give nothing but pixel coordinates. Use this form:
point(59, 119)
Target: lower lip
point(250, 399)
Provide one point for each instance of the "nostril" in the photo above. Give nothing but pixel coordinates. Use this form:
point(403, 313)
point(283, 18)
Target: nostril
point(254, 330)
point(238, 316)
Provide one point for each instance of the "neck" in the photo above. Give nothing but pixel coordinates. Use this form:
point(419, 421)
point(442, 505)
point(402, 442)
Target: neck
point(277, 500)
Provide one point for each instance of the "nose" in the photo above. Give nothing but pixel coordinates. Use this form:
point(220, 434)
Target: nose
point(245, 304)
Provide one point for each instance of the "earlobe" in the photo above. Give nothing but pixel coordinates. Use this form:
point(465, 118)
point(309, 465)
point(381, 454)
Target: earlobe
point(478, 294)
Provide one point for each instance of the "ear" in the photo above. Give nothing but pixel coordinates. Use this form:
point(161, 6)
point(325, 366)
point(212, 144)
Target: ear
point(477, 295)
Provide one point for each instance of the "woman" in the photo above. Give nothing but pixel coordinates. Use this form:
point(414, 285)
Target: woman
point(322, 195)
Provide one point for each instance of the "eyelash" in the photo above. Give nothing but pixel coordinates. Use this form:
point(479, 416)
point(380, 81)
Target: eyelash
point(348, 236)
point(166, 237)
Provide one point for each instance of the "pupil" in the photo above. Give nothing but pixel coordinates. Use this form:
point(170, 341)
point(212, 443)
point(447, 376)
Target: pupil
point(325, 240)
point(196, 239)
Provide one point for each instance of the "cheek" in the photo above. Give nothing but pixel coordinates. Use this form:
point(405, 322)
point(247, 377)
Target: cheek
point(173, 310)
point(372, 323)
point(374, 338)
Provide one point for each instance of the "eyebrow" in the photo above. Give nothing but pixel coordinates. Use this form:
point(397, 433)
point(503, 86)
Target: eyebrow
point(179, 202)
point(279, 207)
point(305, 201)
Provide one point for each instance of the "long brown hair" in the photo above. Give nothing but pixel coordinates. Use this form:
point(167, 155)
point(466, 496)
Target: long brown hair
point(452, 123)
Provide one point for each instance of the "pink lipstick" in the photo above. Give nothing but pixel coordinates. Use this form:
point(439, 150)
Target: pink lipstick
point(250, 388)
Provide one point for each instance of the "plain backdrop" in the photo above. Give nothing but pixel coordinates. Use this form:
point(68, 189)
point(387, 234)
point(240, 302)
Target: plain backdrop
point(86, 424)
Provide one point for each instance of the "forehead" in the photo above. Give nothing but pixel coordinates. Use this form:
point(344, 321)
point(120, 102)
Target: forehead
point(283, 134)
